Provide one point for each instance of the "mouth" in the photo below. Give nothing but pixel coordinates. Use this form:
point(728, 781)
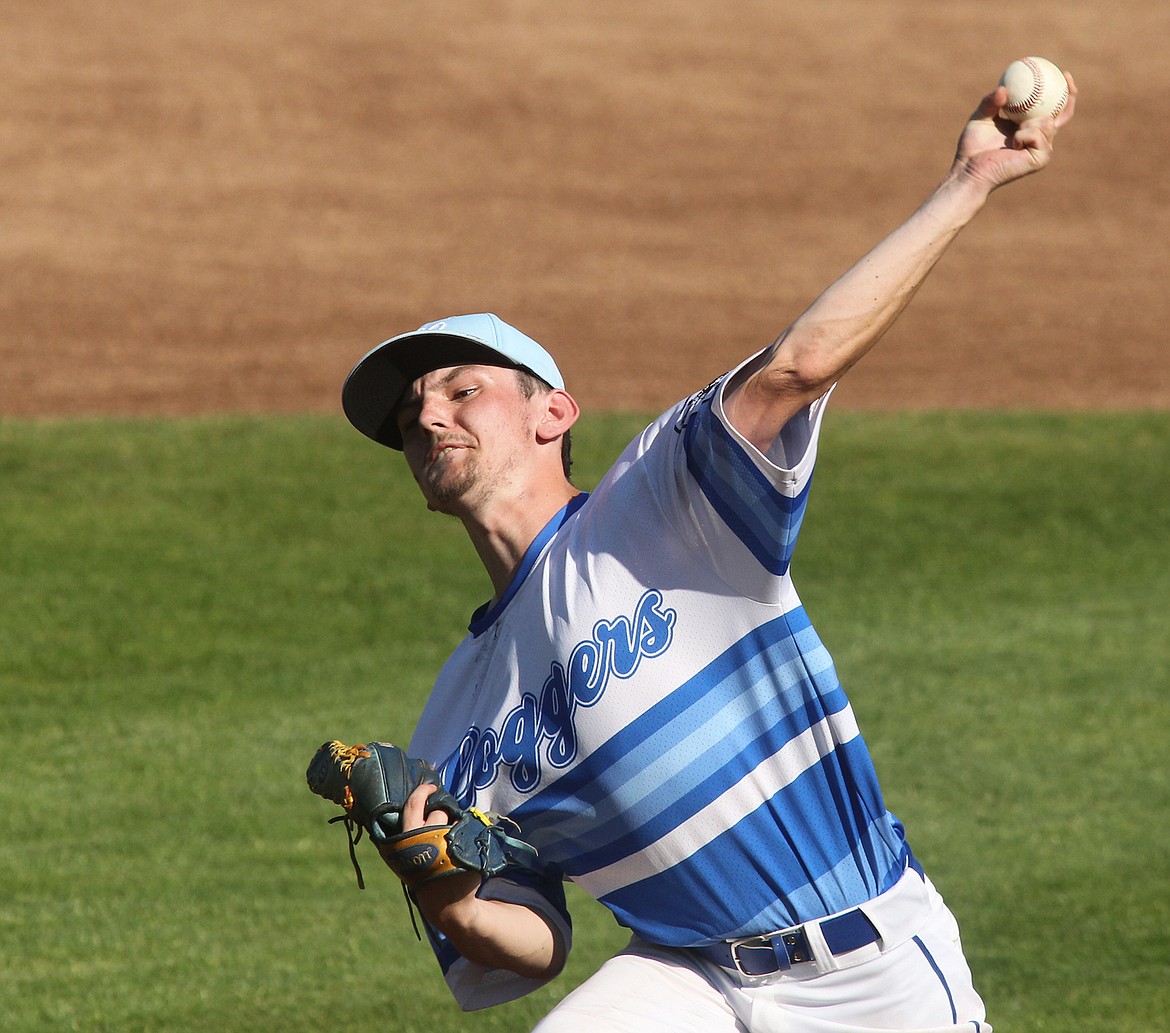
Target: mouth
point(441, 450)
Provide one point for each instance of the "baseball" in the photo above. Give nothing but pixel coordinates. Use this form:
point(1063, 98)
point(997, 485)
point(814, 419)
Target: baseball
point(1036, 89)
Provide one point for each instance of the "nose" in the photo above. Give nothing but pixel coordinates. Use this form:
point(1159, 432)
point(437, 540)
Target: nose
point(433, 413)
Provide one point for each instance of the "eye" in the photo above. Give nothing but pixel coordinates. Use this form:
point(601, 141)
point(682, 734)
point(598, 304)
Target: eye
point(464, 392)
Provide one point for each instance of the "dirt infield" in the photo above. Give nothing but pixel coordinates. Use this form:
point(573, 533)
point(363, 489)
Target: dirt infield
point(220, 206)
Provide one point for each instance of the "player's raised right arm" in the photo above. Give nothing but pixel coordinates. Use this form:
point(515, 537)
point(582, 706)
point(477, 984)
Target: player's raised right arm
point(857, 309)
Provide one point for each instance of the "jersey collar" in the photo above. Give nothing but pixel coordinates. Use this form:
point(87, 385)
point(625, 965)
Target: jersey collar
point(487, 614)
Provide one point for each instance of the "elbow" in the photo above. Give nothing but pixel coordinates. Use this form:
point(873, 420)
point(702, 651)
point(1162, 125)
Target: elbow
point(541, 966)
point(800, 379)
point(807, 362)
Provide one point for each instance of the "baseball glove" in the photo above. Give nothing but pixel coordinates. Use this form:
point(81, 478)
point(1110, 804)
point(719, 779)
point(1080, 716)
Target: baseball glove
point(372, 781)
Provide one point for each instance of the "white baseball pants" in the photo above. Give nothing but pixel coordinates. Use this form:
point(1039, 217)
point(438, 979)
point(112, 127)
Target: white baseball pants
point(917, 981)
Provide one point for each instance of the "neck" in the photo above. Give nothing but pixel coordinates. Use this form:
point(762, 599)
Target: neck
point(502, 537)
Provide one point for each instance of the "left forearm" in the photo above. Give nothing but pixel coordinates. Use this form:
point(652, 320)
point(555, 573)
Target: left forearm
point(491, 933)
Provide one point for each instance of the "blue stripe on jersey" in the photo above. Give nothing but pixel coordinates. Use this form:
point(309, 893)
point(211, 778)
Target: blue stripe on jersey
point(728, 888)
point(746, 729)
point(765, 520)
point(814, 898)
point(786, 831)
point(793, 866)
point(701, 726)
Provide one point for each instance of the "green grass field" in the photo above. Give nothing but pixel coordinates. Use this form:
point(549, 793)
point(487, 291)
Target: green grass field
point(189, 608)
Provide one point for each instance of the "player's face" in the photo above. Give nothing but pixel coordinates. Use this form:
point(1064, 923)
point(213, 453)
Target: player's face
point(465, 433)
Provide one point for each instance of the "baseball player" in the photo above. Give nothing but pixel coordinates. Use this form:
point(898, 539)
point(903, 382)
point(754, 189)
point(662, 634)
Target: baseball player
point(644, 696)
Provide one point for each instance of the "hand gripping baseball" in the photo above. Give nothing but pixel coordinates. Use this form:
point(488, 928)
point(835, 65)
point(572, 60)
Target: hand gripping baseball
point(996, 150)
point(372, 783)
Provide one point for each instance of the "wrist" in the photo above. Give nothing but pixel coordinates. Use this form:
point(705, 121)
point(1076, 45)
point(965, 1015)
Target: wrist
point(958, 198)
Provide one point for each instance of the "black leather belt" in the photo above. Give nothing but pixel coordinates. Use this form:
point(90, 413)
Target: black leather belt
point(779, 951)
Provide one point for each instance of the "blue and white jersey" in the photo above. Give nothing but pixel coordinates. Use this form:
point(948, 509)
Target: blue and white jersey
point(651, 705)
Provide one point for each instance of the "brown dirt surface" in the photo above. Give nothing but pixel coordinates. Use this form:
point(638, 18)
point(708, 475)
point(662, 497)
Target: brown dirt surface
point(221, 206)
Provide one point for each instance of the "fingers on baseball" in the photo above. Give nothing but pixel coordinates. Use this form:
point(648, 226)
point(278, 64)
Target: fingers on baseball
point(1066, 112)
point(989, 106)
point(1048, 124)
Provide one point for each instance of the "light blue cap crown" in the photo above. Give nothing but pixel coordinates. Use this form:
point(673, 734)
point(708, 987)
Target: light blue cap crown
point(377, 383)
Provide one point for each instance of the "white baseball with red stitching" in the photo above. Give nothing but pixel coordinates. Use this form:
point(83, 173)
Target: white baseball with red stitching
point(1036, 89)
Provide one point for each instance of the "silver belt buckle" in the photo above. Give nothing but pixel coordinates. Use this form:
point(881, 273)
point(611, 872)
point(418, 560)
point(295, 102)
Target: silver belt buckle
point(759, 942)
point(780, 960)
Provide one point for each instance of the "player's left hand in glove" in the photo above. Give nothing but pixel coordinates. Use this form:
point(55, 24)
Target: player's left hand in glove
point(371, 782)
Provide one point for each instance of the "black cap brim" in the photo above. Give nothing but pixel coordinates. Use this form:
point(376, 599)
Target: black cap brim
point(375, 386)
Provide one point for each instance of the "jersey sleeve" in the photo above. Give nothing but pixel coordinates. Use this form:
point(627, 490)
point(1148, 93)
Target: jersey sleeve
point(474, 986)
point(741, 505)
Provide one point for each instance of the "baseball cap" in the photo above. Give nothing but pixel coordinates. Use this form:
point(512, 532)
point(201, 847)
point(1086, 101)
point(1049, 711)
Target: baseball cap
point(377, 383)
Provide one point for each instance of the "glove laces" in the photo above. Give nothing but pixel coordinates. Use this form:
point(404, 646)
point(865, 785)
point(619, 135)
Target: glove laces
point(355, 838)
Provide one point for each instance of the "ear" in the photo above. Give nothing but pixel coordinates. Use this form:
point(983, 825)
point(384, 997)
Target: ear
point(559, 413)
